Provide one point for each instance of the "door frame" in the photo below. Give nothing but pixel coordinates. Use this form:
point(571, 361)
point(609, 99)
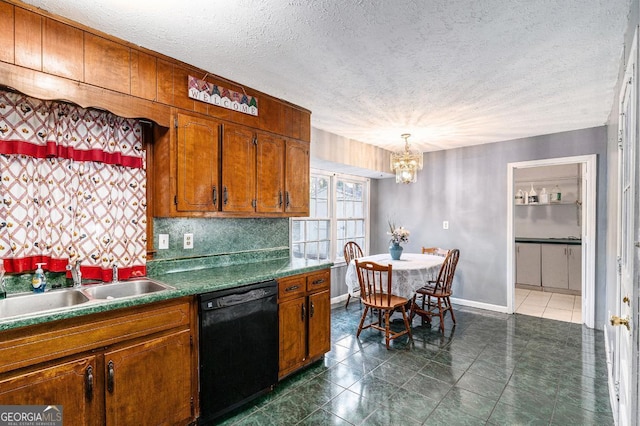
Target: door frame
point(588, 165)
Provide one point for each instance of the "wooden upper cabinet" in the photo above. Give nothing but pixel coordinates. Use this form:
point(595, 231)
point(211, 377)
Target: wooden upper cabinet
point(297, 178)
point(107, 63)
point(197, 164)
point(238, 169)
point(62, 50)
point(270, 174)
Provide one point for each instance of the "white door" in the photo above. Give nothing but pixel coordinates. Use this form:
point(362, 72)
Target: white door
point(622, 321)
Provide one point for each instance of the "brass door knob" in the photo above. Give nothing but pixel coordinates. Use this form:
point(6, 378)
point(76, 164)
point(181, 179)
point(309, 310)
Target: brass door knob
point(616, 320)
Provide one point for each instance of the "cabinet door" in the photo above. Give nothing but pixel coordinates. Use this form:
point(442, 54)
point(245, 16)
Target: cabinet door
point(73, 384)
point(150, 382)
point(528, 264)
point(319, 324)
point(574, 265)
point(554, 266)
point(197, 163)
point(238, 169)
point(292, 321)
point(270, 174)
point(297, 178)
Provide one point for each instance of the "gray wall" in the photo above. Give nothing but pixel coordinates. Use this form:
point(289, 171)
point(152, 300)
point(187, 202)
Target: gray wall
point(468, 188)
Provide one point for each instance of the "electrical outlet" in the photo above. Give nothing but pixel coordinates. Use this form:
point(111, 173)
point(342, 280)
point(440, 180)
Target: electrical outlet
point(445, 224)
point(163, 241)
point(188, 241)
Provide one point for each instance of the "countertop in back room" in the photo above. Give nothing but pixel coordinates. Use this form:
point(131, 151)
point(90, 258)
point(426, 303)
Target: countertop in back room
point(544, 240)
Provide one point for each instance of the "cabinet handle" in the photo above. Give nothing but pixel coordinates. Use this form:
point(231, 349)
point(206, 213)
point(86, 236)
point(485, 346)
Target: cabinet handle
point(318, 281)
point(311, 310)
point(292, 288)
point(110, 374)
point(288, 201)
point(304, 312)
point(280, 198)
point(225, 196)
point(88, 381)
point(215, 196)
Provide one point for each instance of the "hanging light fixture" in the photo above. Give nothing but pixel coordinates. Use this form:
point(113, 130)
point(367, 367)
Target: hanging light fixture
point(406, 163)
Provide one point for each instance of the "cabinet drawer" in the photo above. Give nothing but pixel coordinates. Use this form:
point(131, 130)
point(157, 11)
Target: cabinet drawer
point(43, 342)
point(291, 287)
point(319, 280)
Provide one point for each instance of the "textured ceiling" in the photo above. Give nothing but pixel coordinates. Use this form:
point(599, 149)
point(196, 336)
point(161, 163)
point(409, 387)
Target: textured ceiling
point(450, 72)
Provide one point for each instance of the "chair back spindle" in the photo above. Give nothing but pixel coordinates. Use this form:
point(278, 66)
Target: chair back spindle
point(351, 251)
point(375, 282)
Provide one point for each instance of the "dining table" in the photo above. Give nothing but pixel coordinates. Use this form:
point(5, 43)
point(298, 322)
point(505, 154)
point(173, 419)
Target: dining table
point(409, 273)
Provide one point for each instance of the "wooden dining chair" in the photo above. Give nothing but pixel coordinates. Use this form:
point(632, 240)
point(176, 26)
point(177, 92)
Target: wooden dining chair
point(436, 251)
point(439, 290)
point(376, 293)
point(351, 251)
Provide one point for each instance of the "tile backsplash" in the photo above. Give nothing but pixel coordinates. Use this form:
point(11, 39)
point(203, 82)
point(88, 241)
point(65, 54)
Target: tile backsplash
point(220, 236)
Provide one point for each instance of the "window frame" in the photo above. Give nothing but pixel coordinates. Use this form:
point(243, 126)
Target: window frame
point(335, 252)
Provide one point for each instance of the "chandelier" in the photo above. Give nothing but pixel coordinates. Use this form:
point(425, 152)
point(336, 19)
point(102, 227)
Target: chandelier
point(406, 163)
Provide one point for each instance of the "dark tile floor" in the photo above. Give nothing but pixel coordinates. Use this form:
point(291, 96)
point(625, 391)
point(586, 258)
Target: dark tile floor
point(491, 369)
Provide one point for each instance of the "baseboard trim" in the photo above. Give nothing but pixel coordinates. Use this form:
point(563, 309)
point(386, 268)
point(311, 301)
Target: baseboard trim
point(480, 305)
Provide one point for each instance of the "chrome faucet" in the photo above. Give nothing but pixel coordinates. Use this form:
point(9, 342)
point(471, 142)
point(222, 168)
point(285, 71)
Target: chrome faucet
point(114, 272)
point(75, 272)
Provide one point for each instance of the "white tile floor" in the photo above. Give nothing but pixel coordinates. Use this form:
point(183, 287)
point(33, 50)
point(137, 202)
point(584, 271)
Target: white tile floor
point(561, 307)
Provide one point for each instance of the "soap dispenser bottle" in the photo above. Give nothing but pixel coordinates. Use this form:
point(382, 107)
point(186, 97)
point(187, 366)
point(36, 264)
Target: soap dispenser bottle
point(3, 287)
point(39, 281)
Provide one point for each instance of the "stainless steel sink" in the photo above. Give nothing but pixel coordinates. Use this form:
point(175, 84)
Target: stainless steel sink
point(38, 303)
point(125, 289)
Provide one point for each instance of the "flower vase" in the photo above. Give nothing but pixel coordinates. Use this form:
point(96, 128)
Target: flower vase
point(395, 250)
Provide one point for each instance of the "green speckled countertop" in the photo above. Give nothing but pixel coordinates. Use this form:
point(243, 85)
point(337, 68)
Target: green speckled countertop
point(185, 283)
point(568, 240)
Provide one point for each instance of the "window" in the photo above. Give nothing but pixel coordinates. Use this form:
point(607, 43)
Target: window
point(339, 212)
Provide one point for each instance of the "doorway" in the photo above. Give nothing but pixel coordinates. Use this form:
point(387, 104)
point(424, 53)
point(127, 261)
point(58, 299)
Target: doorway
point(587, 212)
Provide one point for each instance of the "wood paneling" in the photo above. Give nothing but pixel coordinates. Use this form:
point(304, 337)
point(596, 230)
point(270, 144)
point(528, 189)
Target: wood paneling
point(7, 41)
point(107, 63)
point(271, 115)
point(143, 75)
point(181, 97)
point(47, 86)
point(62, 50)
point(28, 39)
point(305, 126)
point(165, 82)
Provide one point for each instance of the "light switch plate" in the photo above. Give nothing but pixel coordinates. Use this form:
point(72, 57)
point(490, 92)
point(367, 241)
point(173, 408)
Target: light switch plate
point(163, 241)
point(188, 241)
point(445, 224)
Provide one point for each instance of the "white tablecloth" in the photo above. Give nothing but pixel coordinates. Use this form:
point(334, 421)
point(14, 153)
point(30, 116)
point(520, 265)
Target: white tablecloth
point(410, 273)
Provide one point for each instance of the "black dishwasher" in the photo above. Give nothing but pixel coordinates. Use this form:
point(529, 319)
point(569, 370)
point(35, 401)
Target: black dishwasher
point(238, 347)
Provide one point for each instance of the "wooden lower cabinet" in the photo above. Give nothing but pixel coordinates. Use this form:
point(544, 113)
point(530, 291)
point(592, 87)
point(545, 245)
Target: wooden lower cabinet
point(72, 384)
point(304, 320)
point(137, 367)
point(143, 385)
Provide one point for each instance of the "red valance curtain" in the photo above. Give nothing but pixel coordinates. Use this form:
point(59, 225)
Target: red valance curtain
point(73, 186)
